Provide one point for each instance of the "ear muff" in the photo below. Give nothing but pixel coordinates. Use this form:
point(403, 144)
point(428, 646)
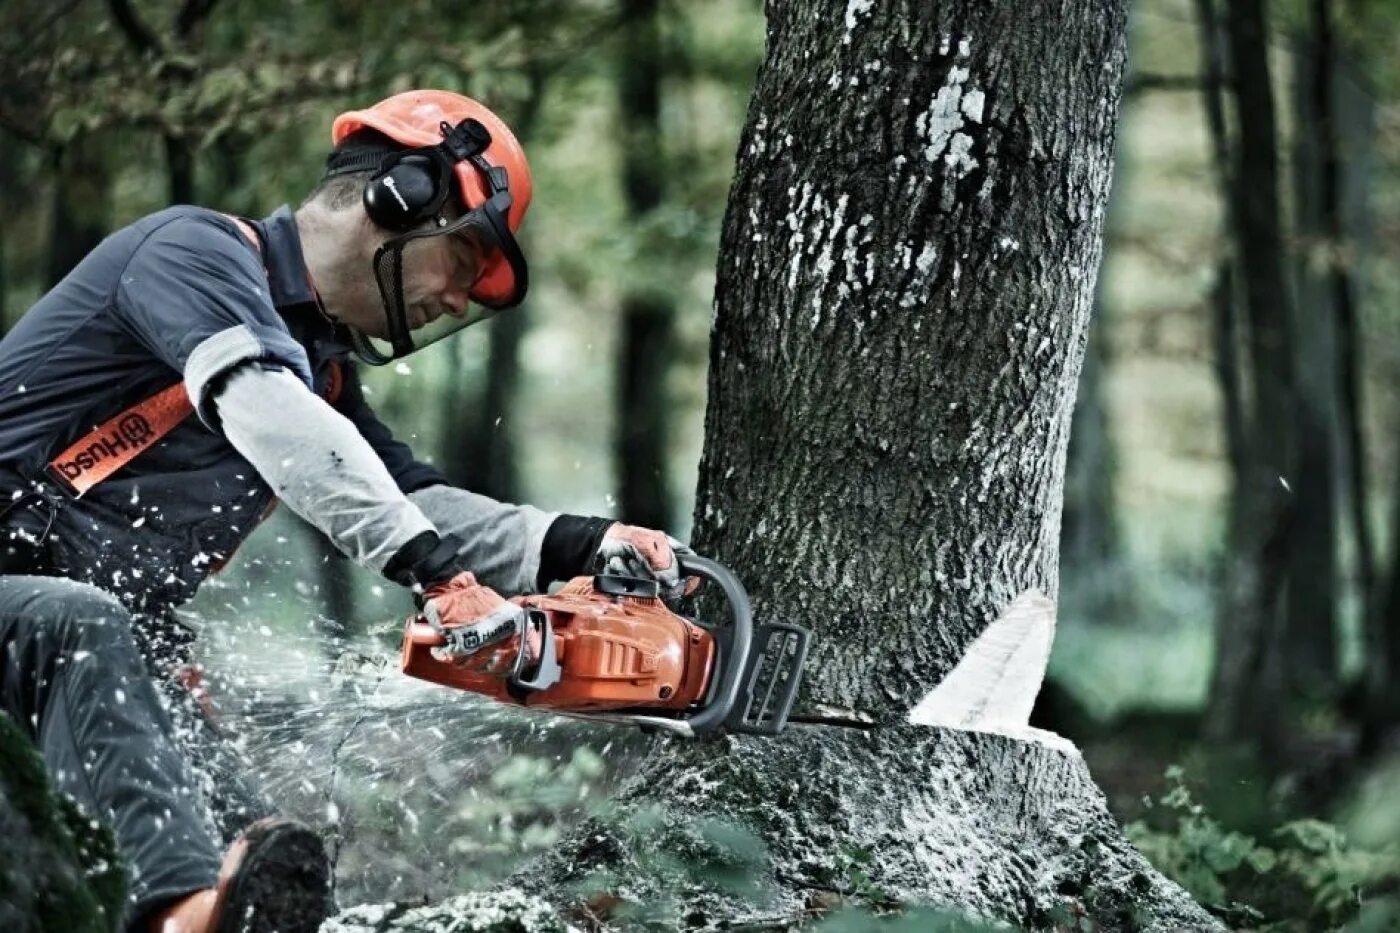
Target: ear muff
point(407, 189)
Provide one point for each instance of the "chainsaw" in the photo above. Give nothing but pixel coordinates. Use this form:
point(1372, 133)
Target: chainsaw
point(612, 651)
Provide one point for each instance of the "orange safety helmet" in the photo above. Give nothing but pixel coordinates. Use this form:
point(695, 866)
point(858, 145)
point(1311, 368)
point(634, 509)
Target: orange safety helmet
point(412, 119)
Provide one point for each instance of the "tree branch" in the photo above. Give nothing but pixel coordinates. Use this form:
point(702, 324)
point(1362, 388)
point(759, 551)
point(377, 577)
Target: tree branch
point(136, 31)
point(192, 13)
point(26, 41)
point(1143, 83)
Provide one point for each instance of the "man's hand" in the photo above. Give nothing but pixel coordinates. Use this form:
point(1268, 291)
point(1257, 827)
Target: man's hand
point(630, 551)
point(483, 631)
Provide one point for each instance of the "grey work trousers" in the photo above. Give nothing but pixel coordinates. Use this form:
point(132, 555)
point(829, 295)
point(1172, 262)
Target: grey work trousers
point(72, 676)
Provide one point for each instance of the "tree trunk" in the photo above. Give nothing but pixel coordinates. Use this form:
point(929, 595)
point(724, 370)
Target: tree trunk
point(1089, 539)
point(81, 212)
point(179, 168)
point(646, 348)
point(478, 446)
point(905, 281)
point(1224, 311)
point(1309, 643)
point(1246, 687)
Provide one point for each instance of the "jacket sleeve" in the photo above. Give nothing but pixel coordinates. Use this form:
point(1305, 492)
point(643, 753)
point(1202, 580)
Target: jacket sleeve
point(317, 463)
point(501, 543)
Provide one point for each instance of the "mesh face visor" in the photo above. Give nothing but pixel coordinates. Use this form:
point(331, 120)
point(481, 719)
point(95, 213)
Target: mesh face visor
point(487, 227)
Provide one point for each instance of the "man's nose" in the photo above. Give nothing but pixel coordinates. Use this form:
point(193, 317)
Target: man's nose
point(456, 302)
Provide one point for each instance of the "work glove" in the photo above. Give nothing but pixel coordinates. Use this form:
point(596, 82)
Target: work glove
point(630, 551)
point(483, 631)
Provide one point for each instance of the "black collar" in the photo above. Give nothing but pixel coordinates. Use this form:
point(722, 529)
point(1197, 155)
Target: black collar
point(290, 284)
point(286, 264)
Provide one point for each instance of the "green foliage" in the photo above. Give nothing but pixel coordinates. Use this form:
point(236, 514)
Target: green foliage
point(1308, 876)
point(518, 811)
point(59, 868)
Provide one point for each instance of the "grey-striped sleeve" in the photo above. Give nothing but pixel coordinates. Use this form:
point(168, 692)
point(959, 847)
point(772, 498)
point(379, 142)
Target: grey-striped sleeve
point(501, 541)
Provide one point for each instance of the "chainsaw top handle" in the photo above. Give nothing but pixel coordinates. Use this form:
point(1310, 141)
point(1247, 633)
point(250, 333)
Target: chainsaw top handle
point(731, 670)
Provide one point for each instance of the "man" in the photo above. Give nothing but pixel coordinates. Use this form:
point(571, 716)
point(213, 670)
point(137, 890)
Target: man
point(191, 371)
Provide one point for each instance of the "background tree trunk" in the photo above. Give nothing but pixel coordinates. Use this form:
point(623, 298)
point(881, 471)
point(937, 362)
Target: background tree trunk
point(1247, 684)
point(1223, 303)
point(81, 206)
point(645, 351)
point(478, 448)
point(905, 280)
point(1314, 587)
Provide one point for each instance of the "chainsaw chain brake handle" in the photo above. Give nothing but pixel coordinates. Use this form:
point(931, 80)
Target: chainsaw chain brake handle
point(760, 668)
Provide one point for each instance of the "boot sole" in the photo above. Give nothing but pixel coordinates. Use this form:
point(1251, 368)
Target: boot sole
point(281, 886)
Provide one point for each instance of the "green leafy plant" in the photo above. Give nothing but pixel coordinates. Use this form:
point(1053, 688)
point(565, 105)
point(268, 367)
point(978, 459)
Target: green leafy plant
point(1309, 877)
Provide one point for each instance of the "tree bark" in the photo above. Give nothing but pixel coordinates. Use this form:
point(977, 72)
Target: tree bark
point(905, 280)
point(1224, 307)
point(1246, 687)
point(646, 349)
point(479, 451)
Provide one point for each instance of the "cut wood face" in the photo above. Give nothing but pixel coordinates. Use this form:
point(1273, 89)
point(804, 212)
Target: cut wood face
point(994, 686)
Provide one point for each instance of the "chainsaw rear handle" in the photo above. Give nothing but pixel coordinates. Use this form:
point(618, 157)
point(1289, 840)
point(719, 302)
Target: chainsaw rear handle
point(731, 663)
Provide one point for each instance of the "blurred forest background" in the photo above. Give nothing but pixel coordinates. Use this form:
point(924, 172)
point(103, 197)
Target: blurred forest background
point(1229, 640)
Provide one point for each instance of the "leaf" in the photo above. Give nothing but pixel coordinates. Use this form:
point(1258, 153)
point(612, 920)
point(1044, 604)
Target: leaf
point(1314, 835)
point(1262, 860)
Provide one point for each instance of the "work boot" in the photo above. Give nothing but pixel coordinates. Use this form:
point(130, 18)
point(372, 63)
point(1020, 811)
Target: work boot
point(274, 879)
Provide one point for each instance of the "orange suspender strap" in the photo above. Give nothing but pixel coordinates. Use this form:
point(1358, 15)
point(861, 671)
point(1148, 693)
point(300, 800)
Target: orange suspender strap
point(117, 441)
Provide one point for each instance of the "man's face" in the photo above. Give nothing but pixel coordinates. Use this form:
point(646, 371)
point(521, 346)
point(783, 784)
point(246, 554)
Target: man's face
point(438, 274)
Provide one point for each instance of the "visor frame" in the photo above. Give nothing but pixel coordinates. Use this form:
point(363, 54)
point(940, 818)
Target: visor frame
point(499, 247)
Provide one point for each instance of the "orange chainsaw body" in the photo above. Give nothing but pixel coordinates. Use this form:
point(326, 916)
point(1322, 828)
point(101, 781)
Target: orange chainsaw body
point(615, 652)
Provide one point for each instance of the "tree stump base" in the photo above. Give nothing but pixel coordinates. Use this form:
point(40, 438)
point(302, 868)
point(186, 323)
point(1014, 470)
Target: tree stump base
point(772, 832)
point(494, 912)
